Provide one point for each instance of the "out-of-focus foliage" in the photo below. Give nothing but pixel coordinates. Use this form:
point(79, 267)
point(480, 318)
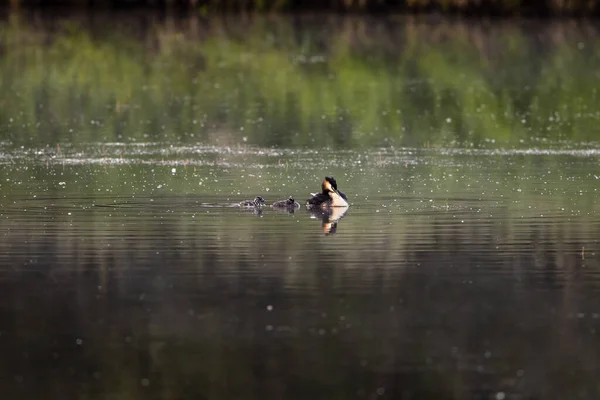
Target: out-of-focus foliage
point(299, 81)
point(469, 7)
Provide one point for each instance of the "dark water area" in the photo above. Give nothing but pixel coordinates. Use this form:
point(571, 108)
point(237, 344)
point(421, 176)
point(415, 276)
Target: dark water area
point(438, 282)
point(466, 266)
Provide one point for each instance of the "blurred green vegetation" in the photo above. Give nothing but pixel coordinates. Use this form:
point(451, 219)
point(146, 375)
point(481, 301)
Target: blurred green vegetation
point(350, 82)
point(469, 7)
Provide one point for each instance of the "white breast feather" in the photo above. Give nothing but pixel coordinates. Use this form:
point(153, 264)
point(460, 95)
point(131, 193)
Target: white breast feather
point(337, 200)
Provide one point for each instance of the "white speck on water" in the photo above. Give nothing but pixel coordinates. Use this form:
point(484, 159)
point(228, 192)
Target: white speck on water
point(173, 170)
point(448, 120)
point(79, 342)
point(381, 391)
point(500, 396)
point(269, 307)
point(269, 328)
point(62, 183)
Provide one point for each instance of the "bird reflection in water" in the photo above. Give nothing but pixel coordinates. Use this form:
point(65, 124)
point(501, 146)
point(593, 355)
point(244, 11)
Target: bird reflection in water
point(258, 211)
point(330, 217)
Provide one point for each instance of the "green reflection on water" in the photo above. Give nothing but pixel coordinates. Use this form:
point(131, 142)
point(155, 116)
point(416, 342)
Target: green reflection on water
point(298, 82)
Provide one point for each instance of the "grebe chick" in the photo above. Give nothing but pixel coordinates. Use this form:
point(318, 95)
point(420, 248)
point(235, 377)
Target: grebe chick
point(257, 202)
point(289, 204)
point(329, 196)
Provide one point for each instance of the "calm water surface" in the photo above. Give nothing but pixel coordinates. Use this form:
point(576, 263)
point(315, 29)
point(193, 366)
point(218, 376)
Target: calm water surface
point(465, 268)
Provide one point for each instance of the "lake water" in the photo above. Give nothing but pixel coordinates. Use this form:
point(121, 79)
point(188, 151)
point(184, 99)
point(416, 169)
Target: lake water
point(466, 266)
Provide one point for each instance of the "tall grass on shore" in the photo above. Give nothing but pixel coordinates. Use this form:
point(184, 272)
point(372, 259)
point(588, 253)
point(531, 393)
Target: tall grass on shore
point(271, 81)
point(467, 7)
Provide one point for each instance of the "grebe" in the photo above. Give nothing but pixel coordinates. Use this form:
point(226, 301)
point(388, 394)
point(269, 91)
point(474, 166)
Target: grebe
point(289, 204)
point(257, 202)
point(329, 196)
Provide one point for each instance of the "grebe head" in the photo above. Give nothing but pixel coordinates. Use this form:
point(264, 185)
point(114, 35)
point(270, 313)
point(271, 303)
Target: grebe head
point(259, 200)
point(329, 185)
point(331, 179)
point(338, 199)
